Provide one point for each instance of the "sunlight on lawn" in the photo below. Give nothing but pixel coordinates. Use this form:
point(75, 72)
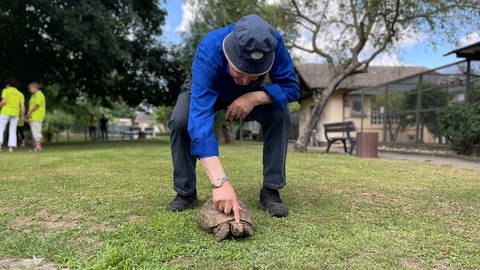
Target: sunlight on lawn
point(102, 205)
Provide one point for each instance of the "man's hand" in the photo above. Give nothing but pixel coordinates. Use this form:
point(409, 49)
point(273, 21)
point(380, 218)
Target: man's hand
point(243, 105)
point(225, 200)
point(240, 107)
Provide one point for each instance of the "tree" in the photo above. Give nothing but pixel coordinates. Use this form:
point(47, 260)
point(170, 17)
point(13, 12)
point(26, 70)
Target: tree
point(433, 97)
point(359, 30)
point(474, 95)
point(98, 49)
point(212, 14)
point(460, 123)
point(394, 102)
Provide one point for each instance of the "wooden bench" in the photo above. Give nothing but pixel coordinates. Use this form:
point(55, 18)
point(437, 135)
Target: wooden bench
point(343, 128)
point(148, 132)
point(131, 132)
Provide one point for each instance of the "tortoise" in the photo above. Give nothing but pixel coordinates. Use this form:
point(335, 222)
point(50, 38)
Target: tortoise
point(224, 226)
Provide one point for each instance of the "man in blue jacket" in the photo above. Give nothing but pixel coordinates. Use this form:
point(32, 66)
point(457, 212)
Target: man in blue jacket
point(228, 71)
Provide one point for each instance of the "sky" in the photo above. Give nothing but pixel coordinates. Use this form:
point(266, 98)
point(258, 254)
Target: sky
point(414, 52)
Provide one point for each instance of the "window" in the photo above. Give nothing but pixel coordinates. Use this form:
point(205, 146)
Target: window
point(356, 107)
point(376, 118)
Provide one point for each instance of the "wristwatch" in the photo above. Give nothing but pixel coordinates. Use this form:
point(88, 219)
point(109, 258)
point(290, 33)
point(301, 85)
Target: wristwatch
point(218, 182)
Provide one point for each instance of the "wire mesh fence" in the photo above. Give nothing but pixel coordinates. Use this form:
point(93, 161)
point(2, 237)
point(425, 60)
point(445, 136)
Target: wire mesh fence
point(406, 111)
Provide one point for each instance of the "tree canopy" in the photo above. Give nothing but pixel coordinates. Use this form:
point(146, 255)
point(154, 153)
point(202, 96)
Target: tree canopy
point(212, 14)
point(103, 50)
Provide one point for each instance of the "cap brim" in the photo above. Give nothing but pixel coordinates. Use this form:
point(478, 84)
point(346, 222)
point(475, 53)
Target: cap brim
point(250, 68)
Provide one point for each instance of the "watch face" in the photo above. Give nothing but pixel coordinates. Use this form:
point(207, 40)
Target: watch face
point(217, 182)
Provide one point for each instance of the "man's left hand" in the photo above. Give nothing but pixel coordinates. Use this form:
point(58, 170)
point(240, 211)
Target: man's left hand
point(240, 107)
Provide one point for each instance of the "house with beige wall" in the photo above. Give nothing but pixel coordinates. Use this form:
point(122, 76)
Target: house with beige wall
point(341, 106)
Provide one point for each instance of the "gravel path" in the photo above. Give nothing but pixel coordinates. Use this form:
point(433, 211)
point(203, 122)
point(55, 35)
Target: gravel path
point(460, 162)
point(436, 159)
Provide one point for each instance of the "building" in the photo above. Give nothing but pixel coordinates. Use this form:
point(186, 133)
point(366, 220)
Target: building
point(404, 111)
point(341, 106)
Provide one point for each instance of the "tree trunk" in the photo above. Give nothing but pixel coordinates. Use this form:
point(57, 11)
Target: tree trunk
point(335, 80)
point(303, 138)
point(225, 135)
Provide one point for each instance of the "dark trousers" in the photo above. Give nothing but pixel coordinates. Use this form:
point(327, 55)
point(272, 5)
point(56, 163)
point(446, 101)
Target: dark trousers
point(20, 134)
point(275, 126)
point(93, 133)
point(104, 133)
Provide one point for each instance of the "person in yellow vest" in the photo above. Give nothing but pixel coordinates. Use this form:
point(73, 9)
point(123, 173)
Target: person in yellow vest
point(36, 113)
point(92, 127)
point(12, 106)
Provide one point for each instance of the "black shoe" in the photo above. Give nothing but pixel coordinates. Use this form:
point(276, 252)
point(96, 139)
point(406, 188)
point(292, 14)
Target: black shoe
point(270, 202)
point(180, 202)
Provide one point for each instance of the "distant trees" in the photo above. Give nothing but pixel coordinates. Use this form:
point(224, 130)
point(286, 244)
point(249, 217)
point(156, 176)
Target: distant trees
point(461, 125)
point(103, 50)
point(212, 14)
point(401, 107)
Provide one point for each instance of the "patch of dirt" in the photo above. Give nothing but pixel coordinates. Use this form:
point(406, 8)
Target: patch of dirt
point(134, 218)
point(104, 227)
point(442, 265)
point(52, 221)
point(57, 224)
point(93, 240)
point(138, 198)
point(180, 260)
point(34, 263)
point(338, 190)
point(410, 263)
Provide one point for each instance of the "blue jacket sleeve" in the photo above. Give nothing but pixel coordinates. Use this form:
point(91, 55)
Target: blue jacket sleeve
point(202, 116)
point(284, 87)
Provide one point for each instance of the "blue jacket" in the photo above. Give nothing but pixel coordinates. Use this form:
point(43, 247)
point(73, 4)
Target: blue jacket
point(211, 81)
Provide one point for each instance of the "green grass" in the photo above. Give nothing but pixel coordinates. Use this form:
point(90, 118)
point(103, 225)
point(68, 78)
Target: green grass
point(98, 206)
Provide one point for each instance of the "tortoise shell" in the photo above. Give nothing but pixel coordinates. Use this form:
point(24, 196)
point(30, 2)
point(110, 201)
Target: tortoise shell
point(209, 217)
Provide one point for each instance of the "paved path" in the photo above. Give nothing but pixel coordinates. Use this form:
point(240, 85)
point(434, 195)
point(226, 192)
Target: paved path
point(468, 163)
point(436, 159)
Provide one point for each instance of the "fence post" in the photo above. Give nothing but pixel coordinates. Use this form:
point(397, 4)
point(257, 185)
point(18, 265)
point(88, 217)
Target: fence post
point(385, 111)
point(418, 108)
point(467, 94)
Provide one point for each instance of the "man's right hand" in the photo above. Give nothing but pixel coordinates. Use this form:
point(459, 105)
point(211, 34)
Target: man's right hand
point(226, 201)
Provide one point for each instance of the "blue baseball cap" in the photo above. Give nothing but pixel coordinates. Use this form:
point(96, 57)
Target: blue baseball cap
point(250, 47)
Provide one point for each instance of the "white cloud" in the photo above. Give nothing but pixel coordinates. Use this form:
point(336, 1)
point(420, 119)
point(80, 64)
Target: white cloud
point(388, 59)
point(188, 11)
point(305, 41)
point(469, 39)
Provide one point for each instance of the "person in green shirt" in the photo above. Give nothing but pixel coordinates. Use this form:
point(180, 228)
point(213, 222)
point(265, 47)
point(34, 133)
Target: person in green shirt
point(36, 113)
point(92, 127)
point(11, 107)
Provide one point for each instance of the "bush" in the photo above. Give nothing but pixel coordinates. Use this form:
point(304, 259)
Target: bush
point(461, 125)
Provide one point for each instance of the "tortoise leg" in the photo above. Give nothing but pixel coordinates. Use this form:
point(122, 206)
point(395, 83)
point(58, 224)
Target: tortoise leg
point(248, 230)
point(222, 231)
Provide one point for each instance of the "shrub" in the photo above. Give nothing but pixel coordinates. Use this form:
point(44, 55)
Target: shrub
point(461, 125)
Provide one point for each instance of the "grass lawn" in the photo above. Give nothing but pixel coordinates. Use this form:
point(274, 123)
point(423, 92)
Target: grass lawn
point(99, 206)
